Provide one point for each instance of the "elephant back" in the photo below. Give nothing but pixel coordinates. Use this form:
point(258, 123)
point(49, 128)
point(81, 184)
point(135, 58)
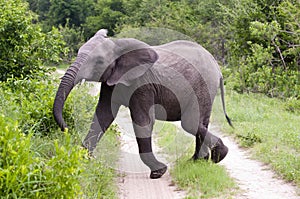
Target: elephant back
point(194, 61)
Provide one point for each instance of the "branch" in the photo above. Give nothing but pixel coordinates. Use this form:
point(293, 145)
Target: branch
point(280, 54)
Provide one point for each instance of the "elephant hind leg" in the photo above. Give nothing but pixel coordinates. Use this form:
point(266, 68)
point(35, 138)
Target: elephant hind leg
point(205, 141)
point(218, 149)
point(201, 150)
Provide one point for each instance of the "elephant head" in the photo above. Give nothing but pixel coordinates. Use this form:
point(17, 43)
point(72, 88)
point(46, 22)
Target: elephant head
point(107, 60)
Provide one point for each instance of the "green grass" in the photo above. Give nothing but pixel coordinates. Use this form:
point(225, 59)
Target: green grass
point(269, 127)
point(201, 179)
point(98, 180)
point(37, 160)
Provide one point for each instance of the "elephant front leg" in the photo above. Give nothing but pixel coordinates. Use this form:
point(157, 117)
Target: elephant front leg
point(145, 150)
point(142, 114)
point(94, 135)
point(104, 115)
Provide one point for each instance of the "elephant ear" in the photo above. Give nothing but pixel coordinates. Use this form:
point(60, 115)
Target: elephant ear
point(136, 58)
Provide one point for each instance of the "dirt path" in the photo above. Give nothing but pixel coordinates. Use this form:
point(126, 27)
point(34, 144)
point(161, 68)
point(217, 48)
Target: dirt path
point(255, 179)
point(134, 182)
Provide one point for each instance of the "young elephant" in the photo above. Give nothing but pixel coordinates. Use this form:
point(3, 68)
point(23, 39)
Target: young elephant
point(172, 82)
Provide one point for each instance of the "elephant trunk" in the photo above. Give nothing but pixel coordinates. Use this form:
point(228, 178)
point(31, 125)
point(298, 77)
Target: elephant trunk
point(66, 85)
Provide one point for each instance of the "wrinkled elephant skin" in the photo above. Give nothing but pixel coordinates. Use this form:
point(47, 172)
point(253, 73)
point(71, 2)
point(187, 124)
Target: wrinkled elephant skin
point(171, 82)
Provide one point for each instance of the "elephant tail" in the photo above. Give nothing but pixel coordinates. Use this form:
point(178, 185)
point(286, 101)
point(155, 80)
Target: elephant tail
point(223, 101)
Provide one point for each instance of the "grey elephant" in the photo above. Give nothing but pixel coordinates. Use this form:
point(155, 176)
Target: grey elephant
point(177, 81)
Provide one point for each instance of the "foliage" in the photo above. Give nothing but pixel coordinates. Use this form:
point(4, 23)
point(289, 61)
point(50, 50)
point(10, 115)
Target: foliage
point(23, 46)
point(264, 50)
point(73, 37)
point(37, 160)
point(30, 102)
point(73, 12)
point(107, 15)
point(26, 175)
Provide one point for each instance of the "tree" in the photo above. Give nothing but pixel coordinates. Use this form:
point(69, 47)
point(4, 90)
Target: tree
point(41, 7)
point(73, 12)
point(107, 15)
point(23, 46)
point(264, 49)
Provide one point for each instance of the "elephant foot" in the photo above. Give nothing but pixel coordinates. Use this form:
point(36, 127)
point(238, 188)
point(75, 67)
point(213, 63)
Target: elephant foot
point(158, 173)
point(197, 157)
point(219, 152)
point(202, 154)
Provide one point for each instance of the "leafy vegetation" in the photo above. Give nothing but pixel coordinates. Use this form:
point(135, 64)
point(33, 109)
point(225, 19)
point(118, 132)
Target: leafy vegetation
point(25, 175)
point(201, 179)
point(264, 50)
point(256, 41)
point(36, 159)
point(28, 101)
point(23, 46)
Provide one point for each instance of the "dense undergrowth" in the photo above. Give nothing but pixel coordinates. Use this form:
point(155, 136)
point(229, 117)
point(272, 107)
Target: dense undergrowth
point(37, 160)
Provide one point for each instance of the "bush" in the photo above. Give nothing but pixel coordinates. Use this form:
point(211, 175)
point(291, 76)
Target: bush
point(23, 46)
point(23, 174)
point(30, 102)
point(264, 49)
point(36, 159)
point(16, 160)
point(293, 105)
point(73, 38)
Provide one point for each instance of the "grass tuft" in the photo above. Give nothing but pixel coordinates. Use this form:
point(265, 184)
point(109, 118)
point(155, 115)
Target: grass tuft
point(201, 179)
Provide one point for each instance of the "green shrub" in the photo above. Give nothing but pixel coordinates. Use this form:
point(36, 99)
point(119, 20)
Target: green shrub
point(23, 174)
point(73, 38)
point(23, 46)
point(16, 161)
point(293, 105)
point(264, 52)
point(62, 171)
point(32, 100)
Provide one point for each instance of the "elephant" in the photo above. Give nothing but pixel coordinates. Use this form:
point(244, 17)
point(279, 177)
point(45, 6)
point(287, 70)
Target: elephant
point(176, 81)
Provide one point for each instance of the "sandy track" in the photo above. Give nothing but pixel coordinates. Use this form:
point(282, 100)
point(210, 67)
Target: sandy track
point(255, 179)
point(134, 181)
